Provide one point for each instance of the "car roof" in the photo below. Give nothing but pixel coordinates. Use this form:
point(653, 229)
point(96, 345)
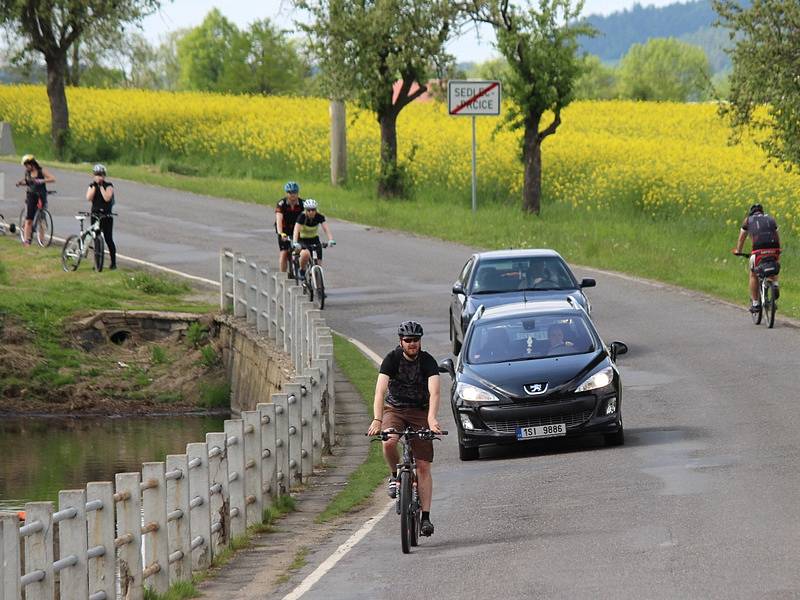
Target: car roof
point(519, 253)
point(535, 307)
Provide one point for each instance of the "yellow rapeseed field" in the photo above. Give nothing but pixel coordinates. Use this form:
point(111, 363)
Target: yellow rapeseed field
point(661, 158)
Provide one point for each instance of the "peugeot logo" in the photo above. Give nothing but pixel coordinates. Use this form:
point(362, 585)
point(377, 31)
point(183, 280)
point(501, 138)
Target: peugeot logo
point(534, 389)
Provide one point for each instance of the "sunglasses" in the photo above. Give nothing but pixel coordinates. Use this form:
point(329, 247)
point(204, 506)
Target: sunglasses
point(410, 340)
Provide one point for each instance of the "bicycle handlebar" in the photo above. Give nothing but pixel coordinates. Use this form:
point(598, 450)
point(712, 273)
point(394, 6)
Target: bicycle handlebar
point(745, 254)
point(96, 214)
point(423, 434)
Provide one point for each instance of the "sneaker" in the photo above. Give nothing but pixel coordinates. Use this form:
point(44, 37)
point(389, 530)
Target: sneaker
point(426, 528)
point(755, 307)
point(112, 268)
point(391, 488)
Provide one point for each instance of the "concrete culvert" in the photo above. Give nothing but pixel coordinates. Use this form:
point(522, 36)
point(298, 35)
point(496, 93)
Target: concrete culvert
point(120, 337)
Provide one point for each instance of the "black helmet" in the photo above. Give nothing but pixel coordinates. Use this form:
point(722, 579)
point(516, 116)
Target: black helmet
point(756, 208)
point(409, 329)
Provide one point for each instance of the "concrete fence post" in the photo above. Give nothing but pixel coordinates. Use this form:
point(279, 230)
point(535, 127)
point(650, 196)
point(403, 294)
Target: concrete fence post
point(304, 308)
point(308, 343)
point(100, 530)
point(306, 427)
point(294, 294)
point(263, 303)
point(226, 279)
point(129, 534)
point(268, 455)
point(329, 399)
point(286, 299)
point(253, 490)
point(239, 285)
point(10, 564)
point(219, 500)
point(295, 434)
point(315, 393)
point(156, 542)
point(280, 291)
point(73, 579)
point(321, 365)
point(234, 430)
point(178, 514)
point(252, 292)
point(281, 402)
point(313, 325)
point(199, 505)
point(39, 552)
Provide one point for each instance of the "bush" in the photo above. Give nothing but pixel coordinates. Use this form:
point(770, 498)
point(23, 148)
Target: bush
point(195, 334)
point(155, 284)
point(158, 355)
point(215, 395)
point(208, 356)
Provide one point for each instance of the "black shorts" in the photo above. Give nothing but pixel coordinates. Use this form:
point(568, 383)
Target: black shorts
point(32, 205)
point(310, 244)
point(284, 243)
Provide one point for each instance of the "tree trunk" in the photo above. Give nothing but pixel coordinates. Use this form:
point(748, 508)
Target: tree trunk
point(59, 113)
point(390, 181)
point(532, 161)
point(74, 68)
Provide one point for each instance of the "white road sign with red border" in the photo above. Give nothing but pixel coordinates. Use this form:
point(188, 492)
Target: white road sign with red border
point(473, 98)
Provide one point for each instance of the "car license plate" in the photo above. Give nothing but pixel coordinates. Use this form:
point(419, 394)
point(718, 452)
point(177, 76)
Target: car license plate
point(541, 431)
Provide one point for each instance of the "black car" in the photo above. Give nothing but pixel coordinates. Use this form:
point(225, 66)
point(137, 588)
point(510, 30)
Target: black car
point(534, 370)
point(508, 276)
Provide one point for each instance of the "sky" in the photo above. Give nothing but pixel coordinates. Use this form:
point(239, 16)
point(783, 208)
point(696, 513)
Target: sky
point(179, 14)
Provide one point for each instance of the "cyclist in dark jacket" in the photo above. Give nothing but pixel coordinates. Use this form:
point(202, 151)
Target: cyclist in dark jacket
point(101, 194)
point(407, 394)
point(763, 232)
point(36, 179)
point(286, 212)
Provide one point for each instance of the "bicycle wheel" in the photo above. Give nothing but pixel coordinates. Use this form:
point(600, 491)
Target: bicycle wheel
point(405, 511)
point(71, 253)
point(769, 304)
point(43, 226)
point(318, 285)
point(22, 215)
point(99, 253)
point(416, 516)
point(757, 315)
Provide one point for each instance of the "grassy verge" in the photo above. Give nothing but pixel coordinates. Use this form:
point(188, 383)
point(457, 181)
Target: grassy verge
point(361, 372)
point(682, 249)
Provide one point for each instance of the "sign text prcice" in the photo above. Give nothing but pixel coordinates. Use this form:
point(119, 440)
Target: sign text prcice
point(472, 98)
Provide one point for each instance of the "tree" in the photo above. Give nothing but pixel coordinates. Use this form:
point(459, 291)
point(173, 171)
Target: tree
point(597, 82)
point(207, 51)
point(365, 46)
point(274, 62)
point(540, 45)
point(53, 26)
point(665, 69)
point(766, 37)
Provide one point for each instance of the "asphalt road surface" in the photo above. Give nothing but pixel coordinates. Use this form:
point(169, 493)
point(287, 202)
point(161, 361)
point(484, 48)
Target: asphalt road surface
point(701, 502)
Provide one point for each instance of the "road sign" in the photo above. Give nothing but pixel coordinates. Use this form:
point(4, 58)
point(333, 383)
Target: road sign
point(473, 98)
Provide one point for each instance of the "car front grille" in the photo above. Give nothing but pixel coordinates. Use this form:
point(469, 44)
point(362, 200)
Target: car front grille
point(569, 419)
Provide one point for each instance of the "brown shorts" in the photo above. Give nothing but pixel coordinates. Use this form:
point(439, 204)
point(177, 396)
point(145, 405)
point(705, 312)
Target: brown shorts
point(399, 418)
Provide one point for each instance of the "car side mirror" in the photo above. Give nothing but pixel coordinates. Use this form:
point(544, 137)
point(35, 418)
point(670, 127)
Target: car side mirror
point(588, 282)
point(458, 287)
point(618, 349)
point(446, 366)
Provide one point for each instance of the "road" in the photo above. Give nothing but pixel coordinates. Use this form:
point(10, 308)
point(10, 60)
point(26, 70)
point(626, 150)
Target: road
point(701, 502)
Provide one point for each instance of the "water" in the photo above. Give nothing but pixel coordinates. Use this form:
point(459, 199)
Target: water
point(40, 456)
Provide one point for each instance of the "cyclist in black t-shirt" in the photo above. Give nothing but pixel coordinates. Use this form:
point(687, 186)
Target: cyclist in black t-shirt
point(36, 179)
point(407, 394)
point(306, 233)
point(763, 232)
point(286, 212)
point(101, 194)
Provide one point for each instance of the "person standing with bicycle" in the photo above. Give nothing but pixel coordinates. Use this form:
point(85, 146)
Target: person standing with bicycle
point(766, 244)
point(36, 179)
point(286, 212)
point(407, 394)
point(306, 234)
point(101, 194)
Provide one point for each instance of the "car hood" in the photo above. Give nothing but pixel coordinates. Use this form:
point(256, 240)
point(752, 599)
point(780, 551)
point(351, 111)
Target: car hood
point(490, 300)
point(508, 378)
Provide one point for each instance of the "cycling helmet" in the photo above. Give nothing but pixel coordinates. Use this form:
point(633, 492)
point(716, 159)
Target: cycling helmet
point(99, 169)
point(756, 208)
point(291, 187)
point(309, 204)
point(28, 158)
point(409, 329)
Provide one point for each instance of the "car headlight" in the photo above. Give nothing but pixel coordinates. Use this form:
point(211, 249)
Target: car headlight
point(471, 393)
point(600, 379)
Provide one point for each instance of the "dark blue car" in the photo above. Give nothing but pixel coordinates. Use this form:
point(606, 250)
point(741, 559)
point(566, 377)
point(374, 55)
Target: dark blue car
point(509, 276)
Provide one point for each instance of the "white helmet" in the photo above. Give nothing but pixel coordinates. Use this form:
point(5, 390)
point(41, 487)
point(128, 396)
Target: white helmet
point(99, 169)
point(309, 204)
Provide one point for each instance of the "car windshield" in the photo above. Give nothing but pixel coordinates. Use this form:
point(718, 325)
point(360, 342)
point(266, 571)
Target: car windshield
point(525, 338)
point(528, 273)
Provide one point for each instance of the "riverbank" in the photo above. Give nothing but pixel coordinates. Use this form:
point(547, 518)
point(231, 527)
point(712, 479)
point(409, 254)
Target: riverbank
point(45, 367)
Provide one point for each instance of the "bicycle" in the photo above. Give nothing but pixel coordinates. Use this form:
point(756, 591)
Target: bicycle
point(76, 247)
point(41, 225)
point(7, 227)
point(313, 282)
point(409, 506)
point(767, 267)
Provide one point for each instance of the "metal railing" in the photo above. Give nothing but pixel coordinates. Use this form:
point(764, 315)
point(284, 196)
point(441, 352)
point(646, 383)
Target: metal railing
point(184, 511)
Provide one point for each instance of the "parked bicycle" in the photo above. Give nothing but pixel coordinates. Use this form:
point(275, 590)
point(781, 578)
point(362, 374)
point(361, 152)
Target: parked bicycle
point(409, 506)
point(313, 280)
point(6, 227)
point(76, 247)
point(41, 225)
point(767, 268)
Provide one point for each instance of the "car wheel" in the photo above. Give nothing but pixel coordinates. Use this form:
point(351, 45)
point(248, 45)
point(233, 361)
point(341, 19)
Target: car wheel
point(465, 453)
point(615, 439)
point(456, 343)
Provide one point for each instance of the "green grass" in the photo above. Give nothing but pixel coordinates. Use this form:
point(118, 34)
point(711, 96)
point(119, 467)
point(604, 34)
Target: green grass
point(154, 285)
point(215, 395)
point(361, 372)
point(158, 355)
point(180, 590)
point(208, 356)
point(298, 562)
point(196, 334)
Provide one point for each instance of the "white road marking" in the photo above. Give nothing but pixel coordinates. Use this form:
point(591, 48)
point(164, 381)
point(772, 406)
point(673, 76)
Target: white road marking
point(334, 558)
point(364, 348)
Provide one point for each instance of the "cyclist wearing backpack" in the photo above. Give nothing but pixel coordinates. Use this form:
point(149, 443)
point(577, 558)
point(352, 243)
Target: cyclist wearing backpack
point(35, 179)
point(763, 232)
point(286, 212)
point(101, 194)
